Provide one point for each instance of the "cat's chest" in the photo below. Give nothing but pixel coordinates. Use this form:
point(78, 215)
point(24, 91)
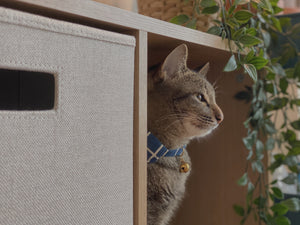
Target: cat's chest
point(167, 171)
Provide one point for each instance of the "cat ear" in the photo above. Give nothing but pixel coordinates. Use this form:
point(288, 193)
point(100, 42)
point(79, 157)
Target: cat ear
point(174, 62)
point(204, 70)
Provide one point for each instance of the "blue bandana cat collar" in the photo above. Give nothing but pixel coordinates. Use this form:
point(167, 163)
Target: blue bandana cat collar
point(156, 150)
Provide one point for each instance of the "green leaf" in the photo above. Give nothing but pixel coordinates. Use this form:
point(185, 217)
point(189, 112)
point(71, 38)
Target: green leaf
point(258, 115)
point(243, 180)
point(250, 140)
point(216, 30)
point(257, 165)
point(274, 182)
point(282, 220)
point(261, 18)
point(210, 10)
point(239, 210)
point(192, 23)
point(250, 154)
point(294, 169)
point(250, 187)
point(232, 23)
point(251, 70)
point(276, 23)
point(279, 158)
point(259, 146)
point(269, 88)
point(270, 128)
point(266, 37)
point(265, 4)
point(237, 34)
point(293, 204)
point(289, 72)
point(279, 103)
point(297, 70)
point(291, 160)
point(248, 40)
point(296, 125)
point(294, 143)
point(251, 31)
point(260, 201)
point(258, 62)
point(295, 102)
point(283, 84)
point(294, 151)
point(243, 16)
point(231, 64)
point(250, 191)
point(261, 53)
point(241, 2)
point(290, 179)
point(288, 52)
point(231, 9)
point(285, 21)
point(289, 136)
point(180, 19)
point(270, 76)
point(261, 95)
point(277, 10)
point(207, 3)
point(249, 56)
point(295, 31)
point(280, 209)
point(277, 192)
point(278, 69)
point(270, 144)
point(243, 96)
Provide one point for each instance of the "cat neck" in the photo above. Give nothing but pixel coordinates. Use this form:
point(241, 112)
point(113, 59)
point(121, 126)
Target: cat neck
point(171, 140)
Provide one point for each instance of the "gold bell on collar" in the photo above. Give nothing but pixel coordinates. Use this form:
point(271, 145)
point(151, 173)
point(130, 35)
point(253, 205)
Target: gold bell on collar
point(184, 167)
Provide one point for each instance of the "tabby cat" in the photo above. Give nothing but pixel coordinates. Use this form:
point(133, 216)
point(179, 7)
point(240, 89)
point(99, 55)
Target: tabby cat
point(181, 106)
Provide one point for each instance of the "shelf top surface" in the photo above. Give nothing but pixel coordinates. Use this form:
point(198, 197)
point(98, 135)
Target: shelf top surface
point(100, 15)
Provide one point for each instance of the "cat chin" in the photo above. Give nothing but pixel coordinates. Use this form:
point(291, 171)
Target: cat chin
point(203, 134)
point(196, 132)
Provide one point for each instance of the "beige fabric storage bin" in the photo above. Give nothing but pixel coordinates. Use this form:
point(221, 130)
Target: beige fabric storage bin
point(71, 164)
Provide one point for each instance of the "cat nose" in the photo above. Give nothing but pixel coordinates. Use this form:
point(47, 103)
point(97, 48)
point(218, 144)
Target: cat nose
point(219, 117)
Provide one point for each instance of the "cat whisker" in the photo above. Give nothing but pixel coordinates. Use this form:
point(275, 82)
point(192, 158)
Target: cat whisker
point(172, 117)
point(217, 81)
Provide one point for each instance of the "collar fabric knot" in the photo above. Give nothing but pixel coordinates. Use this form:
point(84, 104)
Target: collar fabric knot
point(156, 150)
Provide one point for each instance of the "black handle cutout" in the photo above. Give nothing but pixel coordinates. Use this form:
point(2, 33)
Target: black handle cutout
point(26, 90)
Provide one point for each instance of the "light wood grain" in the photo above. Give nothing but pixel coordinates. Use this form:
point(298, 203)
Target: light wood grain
point(140, 130)
point(113, 18)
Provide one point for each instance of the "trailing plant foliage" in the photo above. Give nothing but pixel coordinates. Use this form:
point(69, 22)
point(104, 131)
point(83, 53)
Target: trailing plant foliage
point(252, 30)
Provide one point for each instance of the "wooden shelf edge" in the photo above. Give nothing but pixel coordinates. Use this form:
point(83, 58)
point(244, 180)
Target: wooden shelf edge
point(140, 130)
point(121, 19)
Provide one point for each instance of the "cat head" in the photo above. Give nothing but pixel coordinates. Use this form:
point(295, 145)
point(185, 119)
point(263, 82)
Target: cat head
point(181, 102)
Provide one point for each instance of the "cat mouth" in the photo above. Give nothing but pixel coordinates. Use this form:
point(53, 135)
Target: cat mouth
point(205, 122)
point(199, 126)
point(208, 126)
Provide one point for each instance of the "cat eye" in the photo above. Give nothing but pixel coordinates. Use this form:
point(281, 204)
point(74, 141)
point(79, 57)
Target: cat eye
point(201, 98)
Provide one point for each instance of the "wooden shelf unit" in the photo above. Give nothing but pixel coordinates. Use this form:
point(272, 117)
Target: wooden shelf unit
point(155, 39)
